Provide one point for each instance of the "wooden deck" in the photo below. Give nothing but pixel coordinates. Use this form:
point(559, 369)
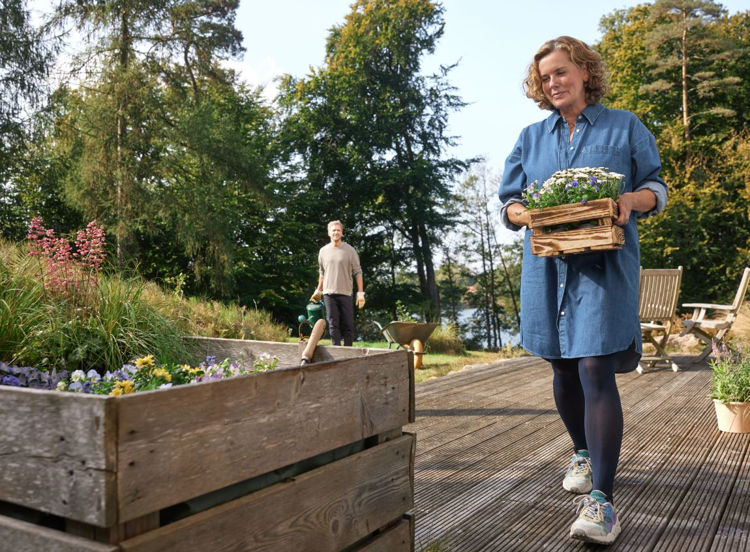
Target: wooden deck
point(492, 451)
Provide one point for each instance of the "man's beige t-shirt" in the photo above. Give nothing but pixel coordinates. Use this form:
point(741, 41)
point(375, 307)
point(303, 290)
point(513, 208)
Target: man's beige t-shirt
point(338, 265)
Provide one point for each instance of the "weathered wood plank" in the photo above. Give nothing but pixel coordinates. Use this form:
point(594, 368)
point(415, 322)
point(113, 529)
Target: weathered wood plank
point(333, 506)
point(58, 453)
point(577, 212)
point(252, 425)
point(20, 536)
point(480, 491)
point(580, 240)
point(398, 538)
point(733, 532)
point(287, 353)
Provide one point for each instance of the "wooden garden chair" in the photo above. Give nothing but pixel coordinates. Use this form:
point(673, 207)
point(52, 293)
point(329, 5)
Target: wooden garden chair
point(710, 330)
point(657, 301)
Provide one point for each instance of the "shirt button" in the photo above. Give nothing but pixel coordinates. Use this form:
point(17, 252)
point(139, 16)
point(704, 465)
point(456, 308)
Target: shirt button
point(571, 147)
point(578, 130)
point(562, 313)
point(562, 285)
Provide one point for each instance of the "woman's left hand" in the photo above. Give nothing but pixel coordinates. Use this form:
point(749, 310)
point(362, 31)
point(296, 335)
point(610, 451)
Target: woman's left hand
point(640, 200)
point(624, 208)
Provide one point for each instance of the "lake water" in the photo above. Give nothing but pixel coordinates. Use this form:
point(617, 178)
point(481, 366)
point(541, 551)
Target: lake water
point(466, 314)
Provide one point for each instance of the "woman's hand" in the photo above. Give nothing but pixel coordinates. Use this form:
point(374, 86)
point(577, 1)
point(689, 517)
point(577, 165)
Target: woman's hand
point(518, 214)
point(640, 201)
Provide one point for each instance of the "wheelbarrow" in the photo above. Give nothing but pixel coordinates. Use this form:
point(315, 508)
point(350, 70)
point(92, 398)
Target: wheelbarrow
point(408, 335)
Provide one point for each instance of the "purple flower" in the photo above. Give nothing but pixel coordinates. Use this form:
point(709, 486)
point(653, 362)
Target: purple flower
point(584, 201)
point(10, 380)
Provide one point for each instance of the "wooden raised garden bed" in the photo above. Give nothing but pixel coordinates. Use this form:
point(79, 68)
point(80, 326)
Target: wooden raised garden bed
point(300, 458)
point(593, 229)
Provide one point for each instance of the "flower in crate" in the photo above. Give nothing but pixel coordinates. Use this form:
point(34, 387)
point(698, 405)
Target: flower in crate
point(579, 185)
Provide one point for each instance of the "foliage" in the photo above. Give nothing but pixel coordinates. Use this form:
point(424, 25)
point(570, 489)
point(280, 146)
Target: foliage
point(704, 151)
point(445, 340)
point(370, 132)
point(110, 326)
point(68, 272)
point(491, 285)
point(208, 318)
point(731, 374)
point(578, 185)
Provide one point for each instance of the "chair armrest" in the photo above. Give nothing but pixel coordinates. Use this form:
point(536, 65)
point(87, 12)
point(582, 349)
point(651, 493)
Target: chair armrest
point(707, 306)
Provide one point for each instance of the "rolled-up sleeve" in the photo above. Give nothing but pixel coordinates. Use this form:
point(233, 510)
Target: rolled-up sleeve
point(512, 184)
point(646, 166)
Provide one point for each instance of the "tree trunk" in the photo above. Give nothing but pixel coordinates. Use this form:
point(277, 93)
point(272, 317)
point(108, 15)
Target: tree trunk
point(121, 130)
point(433, 293)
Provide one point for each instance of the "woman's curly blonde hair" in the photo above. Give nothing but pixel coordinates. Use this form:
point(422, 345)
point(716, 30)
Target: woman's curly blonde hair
point(579, 53)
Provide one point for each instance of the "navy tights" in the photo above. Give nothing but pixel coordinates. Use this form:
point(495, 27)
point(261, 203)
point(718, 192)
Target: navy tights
point(588, 401)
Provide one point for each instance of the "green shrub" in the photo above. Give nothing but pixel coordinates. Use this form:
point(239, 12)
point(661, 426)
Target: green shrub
point(731, 375)
point(215, 319)
point(111, 322)
point(445, 340)
point(102, 327)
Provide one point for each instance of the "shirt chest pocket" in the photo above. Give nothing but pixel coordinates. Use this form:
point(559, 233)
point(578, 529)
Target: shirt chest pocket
point(603, 155)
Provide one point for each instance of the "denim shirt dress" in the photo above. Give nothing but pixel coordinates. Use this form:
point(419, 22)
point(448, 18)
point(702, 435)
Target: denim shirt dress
point(585, 304)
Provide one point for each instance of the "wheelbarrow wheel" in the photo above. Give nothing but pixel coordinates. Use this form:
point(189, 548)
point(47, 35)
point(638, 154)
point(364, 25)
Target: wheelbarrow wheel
point(417, 347)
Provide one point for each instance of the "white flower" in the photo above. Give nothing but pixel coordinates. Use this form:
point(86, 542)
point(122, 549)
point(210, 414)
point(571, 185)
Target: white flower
point(78, 375)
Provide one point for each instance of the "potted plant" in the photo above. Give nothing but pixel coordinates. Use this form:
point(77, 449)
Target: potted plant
point(730, 388)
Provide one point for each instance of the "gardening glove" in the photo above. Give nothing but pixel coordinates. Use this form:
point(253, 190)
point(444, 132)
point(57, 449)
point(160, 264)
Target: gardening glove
point(315, 297)
point(360, 299)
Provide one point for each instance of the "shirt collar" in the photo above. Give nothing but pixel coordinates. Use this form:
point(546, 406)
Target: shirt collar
point(591, 112)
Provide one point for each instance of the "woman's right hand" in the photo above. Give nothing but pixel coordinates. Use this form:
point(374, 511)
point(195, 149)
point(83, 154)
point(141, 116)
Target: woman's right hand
point(518, 214)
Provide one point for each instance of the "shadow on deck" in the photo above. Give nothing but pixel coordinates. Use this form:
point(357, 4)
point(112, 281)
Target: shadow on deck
point(492, 451)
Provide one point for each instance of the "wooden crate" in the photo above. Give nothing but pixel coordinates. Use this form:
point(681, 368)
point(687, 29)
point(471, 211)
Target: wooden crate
point(550, 238)
point(311, 454)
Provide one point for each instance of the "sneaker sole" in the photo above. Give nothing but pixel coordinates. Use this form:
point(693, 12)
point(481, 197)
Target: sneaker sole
point(580, 534)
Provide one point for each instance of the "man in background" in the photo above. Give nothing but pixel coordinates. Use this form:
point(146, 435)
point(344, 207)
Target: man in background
point(338, 263)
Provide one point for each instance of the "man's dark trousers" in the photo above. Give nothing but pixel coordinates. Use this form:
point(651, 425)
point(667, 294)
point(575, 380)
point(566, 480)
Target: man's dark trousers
point(340, 315)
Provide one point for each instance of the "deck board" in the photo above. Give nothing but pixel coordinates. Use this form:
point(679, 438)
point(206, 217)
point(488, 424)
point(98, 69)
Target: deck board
point(491, 453)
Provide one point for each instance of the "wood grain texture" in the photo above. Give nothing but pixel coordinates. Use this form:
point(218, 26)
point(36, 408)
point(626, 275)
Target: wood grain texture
point(19, 536)
point(58, 453)
point(326, 509)
point(580, 240)
point(186, 441)
point(573, 212)
point(398, 538)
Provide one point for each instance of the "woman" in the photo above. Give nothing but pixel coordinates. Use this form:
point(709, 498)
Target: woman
point(580, 312)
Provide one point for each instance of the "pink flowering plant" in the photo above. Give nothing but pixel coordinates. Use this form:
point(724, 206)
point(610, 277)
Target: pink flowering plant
point(69, 271)
point(579, 185)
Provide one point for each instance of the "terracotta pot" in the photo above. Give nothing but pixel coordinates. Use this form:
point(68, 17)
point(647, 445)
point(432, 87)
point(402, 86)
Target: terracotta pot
point(733, 417)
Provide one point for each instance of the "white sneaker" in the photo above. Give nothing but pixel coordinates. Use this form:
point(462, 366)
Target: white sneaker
point(578, 479)
point(597, 520)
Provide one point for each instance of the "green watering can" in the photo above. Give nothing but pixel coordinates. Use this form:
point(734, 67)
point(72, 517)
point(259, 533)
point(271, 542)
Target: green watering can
point(315, 312)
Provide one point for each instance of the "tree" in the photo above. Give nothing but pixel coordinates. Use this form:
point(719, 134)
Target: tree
point(371, 132)
point(24, 62)
point(136, 49)
point(481, 247)
point(696, 57)
point(681, 41)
